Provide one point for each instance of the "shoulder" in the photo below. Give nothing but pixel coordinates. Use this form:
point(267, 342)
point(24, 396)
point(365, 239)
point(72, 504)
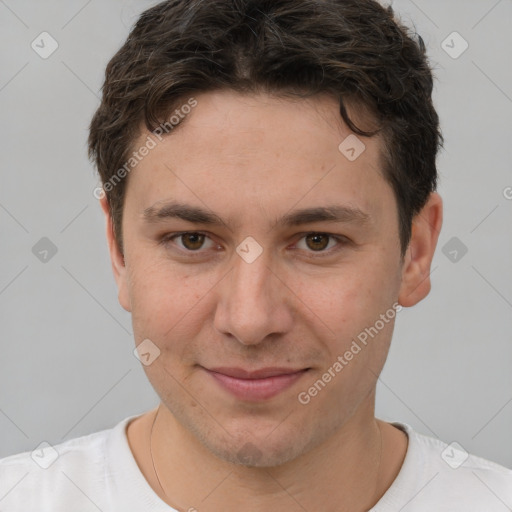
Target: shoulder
point(444, 476)
point(69, 472)
point(453, 459)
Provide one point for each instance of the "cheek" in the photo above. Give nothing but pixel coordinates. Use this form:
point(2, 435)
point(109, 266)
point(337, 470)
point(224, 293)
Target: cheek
point(168, 302)
point(351, 299)
point(358, 339)
point(166, 309)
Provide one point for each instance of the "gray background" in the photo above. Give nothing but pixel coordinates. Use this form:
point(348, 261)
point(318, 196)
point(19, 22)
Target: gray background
point(66, 361)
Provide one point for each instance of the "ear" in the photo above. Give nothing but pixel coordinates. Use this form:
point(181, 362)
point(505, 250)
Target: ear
point(426, 226)
point(117, 259)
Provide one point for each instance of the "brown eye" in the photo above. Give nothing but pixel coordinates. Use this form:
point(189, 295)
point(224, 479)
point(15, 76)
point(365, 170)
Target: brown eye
point(316, 244)
point(192, 241)
point(317, 241)
point(189, 244)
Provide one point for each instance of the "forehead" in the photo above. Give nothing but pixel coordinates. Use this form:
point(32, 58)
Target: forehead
point(261, 151)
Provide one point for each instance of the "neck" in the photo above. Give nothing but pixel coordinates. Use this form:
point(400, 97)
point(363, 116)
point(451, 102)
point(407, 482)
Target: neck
point(351, 470)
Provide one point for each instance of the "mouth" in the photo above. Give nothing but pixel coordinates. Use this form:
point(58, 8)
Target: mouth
point(255, 385)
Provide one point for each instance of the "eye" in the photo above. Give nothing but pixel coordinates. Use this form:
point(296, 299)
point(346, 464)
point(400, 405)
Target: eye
point(190, 241)
point(319, 242)
point(193, 241)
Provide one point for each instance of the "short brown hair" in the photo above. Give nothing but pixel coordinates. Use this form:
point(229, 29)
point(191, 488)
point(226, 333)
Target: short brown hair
point(355, 50)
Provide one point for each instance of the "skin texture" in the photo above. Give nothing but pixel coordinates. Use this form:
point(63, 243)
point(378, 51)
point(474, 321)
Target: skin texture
point(251, 159)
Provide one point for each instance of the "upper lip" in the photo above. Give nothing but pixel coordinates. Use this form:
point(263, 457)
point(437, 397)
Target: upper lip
point(240, 373)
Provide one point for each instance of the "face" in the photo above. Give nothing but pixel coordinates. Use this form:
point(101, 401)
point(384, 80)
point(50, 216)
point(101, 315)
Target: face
point(252, 284)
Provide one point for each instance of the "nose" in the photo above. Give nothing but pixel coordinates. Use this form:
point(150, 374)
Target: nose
point(254, 302)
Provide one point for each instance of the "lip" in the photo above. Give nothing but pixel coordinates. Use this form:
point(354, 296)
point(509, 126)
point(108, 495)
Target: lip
point(256, 385)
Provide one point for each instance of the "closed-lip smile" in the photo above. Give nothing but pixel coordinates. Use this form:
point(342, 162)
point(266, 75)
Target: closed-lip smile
point(255, 385)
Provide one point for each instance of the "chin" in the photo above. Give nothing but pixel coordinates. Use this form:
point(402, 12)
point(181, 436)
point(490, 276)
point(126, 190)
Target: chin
point(258, 455)
point(249, 451)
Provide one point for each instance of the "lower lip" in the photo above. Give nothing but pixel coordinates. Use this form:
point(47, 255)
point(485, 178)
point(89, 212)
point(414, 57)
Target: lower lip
point(256, 389)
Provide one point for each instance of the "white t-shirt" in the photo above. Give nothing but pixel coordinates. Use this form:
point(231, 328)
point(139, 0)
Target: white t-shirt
point(98, 472)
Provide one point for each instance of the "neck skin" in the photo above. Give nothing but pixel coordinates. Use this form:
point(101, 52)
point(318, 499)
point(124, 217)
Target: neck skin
point(347, 472)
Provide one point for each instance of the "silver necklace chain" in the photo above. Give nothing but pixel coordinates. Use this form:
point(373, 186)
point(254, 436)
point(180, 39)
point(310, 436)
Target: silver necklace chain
point(163, 490)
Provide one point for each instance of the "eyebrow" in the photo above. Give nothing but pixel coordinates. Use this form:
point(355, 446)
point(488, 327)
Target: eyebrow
point(195, 215)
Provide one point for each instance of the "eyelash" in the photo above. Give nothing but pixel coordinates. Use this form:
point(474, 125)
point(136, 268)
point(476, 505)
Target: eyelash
point(342, 241)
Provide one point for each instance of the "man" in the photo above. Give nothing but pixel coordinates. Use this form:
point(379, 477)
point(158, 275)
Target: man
point(269, 182)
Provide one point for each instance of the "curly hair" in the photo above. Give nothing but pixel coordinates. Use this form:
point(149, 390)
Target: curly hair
point(355, 50)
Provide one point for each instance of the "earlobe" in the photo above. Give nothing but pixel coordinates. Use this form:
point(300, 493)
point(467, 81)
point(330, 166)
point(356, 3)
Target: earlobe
point(116, 258)
point(426, 226)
